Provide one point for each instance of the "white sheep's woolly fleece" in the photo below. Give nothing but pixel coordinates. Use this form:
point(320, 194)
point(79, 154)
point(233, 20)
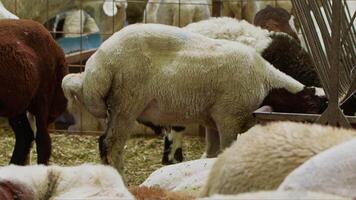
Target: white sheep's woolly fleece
point(332, 171)
point(187, 177)
point(277, 195)
point(232, 29)
point(208, 75)
point(80, 182)
point(262, 157)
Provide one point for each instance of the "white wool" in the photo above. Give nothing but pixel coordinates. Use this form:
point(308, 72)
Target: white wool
point(5, 14)
point(276, 195)
point(332, 171)
point(169, 12)
point(156, 54)
point(232, 29)
point(262, 157)
point(77, 22)
point(86, 181)
point(37, 10)
point(187, 177)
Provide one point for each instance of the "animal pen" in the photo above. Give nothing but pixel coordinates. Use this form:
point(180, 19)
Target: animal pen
point(332, 45)
point(334, 24)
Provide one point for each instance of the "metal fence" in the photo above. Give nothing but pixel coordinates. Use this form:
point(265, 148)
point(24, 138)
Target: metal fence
point(112, 15)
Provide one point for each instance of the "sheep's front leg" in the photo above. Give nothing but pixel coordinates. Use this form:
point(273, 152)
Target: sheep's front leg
point(112, 143)
point(228, 130)
point(212, 143)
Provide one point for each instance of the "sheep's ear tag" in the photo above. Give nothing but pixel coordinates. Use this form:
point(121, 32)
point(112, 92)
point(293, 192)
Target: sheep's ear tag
point(110, 8)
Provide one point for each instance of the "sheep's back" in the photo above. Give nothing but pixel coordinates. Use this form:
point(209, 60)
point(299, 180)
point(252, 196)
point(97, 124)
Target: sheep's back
point(263, 156)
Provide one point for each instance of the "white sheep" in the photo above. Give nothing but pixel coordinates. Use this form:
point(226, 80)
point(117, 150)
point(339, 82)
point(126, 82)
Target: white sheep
point(232, 29)
point(84, 121)
point(331, 171)
point(176, 12)
point(277, 195)
point(184, 78)
point(78, 22)
point(5, 14)
point(187, 177)
point(279, 49)
point(109, 15)
point(262, 157)
point(86, 181)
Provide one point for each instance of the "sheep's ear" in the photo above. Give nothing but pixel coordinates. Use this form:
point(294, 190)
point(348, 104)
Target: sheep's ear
point(110, 8)
point(265, 108)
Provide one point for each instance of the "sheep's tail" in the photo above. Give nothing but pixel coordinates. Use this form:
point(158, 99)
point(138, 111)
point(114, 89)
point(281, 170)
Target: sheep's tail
point(96, 85)
point(72, 89)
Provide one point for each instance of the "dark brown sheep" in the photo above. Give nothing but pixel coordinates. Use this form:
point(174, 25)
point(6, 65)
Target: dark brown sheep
point(32, 66)
point(275, 19)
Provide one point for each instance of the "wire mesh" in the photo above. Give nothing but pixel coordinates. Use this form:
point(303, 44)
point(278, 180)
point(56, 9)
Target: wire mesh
point(100, 11)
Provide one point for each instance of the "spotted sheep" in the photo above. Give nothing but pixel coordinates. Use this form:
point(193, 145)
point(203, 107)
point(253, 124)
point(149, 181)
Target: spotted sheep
point(182, 72)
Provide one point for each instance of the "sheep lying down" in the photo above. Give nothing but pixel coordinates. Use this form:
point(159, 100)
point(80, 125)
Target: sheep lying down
point(169, 76)
point(277, 195)
point(332, 171)
point(261, 158)
point(187, 177)
point(37, 182)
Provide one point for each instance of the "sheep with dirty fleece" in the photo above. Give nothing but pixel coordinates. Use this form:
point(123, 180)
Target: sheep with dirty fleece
point(109, 15)
point(176, 12)
point(195, 80)
point(32, 68)
point(86, 181)
point(261, 158)
point(331, 171)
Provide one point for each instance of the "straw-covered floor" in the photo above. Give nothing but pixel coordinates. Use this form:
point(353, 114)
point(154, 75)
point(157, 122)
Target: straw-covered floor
point(142, 157)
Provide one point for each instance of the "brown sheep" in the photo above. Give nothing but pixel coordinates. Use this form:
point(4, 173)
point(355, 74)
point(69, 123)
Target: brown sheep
point(32, 66)
point(275, 19)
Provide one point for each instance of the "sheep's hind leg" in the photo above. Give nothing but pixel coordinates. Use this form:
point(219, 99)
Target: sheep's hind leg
point(43, 140)
point(173, 140)
point(112, 143)
point(24, 137)
point(228, 129)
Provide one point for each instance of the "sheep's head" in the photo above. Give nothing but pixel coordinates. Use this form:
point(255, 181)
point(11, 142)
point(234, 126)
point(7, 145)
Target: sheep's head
point(275, 19)
point(11, 190)
point(309, 100)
